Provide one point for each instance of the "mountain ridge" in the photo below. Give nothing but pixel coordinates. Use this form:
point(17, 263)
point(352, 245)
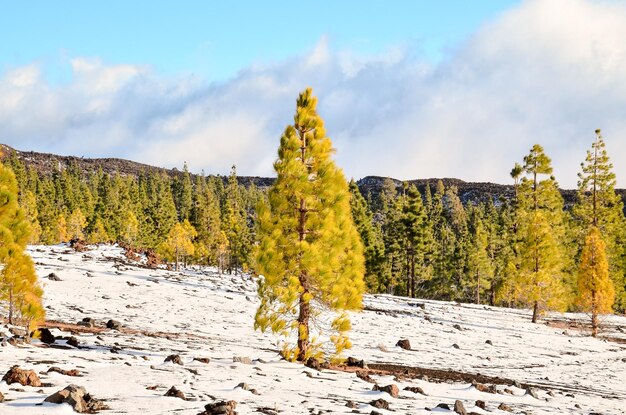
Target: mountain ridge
point(469, 192)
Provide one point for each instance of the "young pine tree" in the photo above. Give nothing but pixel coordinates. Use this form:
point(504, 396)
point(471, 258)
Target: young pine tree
point(540, 218)
point(599, 206)
point(595, 288)
point(417, 238)
point(310, 254)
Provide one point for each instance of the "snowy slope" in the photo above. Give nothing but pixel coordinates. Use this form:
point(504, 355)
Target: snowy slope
point(200, 314)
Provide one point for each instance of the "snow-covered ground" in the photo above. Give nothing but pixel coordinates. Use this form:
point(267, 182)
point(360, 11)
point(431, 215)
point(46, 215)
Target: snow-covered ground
point(200, 314)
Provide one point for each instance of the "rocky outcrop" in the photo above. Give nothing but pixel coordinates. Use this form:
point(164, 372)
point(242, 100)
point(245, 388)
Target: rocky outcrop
point(78, 398)
point(22, 376)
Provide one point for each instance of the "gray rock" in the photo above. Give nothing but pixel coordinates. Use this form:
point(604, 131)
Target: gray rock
point(242, 359)
point(114, 325)
point(77, 398)
point(459, 408)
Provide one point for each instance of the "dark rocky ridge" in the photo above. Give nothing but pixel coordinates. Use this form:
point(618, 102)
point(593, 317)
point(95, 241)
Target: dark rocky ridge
point(469, 192)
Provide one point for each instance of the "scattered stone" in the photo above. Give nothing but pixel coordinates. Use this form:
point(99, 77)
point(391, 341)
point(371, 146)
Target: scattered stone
point(375, 413)
point(390, 389)
point(87, 322)
point(363, 375)
point(73, 341)
point(404, 344)
point(459, 408)
point(242, 359)
point(313, 363)
point(16, 331)
point(220, 408)
point(44, 335)
point(14, 341)
point(22, 376)
point(458, 327)
point(53, 277)
point(352, 405)
point(505, 407)
point(77, 398)
point(484, 388)
point(507, 391)
point(72, 372)
point(551, 393)
point(456, 346)
point(577, 406)
point(354, 362)
point(415, 389)
point(175, 393)
point(204, 360)
point(1, 397)
point(517, 385)
point(532, 392)
point(481, 404)
point(174, 358)
point(380, 404)
point(489, 342)
point(444, 406)
point(244, 386)
point(114, 325)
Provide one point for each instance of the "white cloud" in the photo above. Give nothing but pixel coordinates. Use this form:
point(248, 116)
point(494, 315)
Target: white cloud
point(548, 71)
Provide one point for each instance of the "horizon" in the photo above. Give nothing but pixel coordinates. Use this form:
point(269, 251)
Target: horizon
point(408, 90)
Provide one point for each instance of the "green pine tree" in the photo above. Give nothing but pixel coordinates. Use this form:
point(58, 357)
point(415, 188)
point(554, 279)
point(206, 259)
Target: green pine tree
point(310, 254)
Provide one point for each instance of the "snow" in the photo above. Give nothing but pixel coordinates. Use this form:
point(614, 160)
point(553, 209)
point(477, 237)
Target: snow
point(198, 313)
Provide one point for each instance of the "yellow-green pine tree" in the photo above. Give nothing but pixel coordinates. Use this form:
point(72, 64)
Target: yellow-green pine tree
point(179, 243)
point(595, 288)
point(99, 233)
point(541, 236)
point(76, 224)
point(310, 255)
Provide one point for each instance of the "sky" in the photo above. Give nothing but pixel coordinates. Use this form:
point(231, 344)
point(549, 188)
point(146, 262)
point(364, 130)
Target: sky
point(407, 89)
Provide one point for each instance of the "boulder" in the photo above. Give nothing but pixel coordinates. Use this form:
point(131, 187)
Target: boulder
point(313, 363)
point(72, 372)
point(77, 398)
point(175, 393)
point(44, 335)
point(53, 277)
point(390, 389)
point(220, 408)
point(1, 397)
point(21, 376)
point(404, 344)
point(87, 322)
point(380, 404)
point(415, 389)
point(72, 341)
point(481, 404)
point(174, 358)
point(532, 392)
point(444, 406)
point(484, 388)
point(114, 325)
point(459, 408)
point(204, 360)
point(505, 407)
point(354, 362)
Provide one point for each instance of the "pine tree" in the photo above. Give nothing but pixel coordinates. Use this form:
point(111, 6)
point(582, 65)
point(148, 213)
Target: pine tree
point(19, 288)
point(76, 225)
point(235, 226)
point(599, 206)
point(417, 238)
point(310, 254)
point(595, 289)
point(480, 268)
point(179, 243)
point(371, 236)
point(541, 236)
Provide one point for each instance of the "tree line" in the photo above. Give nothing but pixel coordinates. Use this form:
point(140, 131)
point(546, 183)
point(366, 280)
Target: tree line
point(528, 251)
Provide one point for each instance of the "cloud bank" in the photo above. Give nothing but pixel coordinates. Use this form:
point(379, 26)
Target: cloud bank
point(548, 72)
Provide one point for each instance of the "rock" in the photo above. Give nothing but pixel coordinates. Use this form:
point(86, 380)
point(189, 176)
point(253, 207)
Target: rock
point(505, 407)
point(352, 405)
point(114, 325)
point(44, 335)
point(444, 406)
point(244, 386)
point(390, 389)
point(363, 375)
point(375, 413)
point(459, 408)
point(415, 389)
point(72, 372)
point(380, 404)
point(204, 360)
point(458, 327)
point(489, 343)
point(87, 322)
point(242, 359)
point(220, 408)
point(72, 341)
point(16, 331)
point(77, 398)
point(456, 346)
point(484, 388)
point(53, 277)
point(14, 341)
point(175, 393)
point(21, 376)
point(404, 344)
point(517, 384)
point(354, 362)
point(532, 392)
point(481, 404)
point(174, 358)
point(313, 363)
point(1, 397)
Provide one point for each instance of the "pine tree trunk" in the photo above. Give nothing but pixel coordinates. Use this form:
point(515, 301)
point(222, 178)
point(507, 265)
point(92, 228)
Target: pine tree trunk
point(413, 275)
point(477, 288)
point(11, 306)
point(303, 321)
point(594, 324)
point(536, 312)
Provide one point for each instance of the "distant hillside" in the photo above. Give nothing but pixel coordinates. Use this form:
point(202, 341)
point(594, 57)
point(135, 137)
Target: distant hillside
point(468, 191)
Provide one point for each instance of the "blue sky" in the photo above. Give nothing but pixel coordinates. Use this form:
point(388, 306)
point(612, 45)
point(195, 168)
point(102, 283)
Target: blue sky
point(216, 39)
point(408, 89)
